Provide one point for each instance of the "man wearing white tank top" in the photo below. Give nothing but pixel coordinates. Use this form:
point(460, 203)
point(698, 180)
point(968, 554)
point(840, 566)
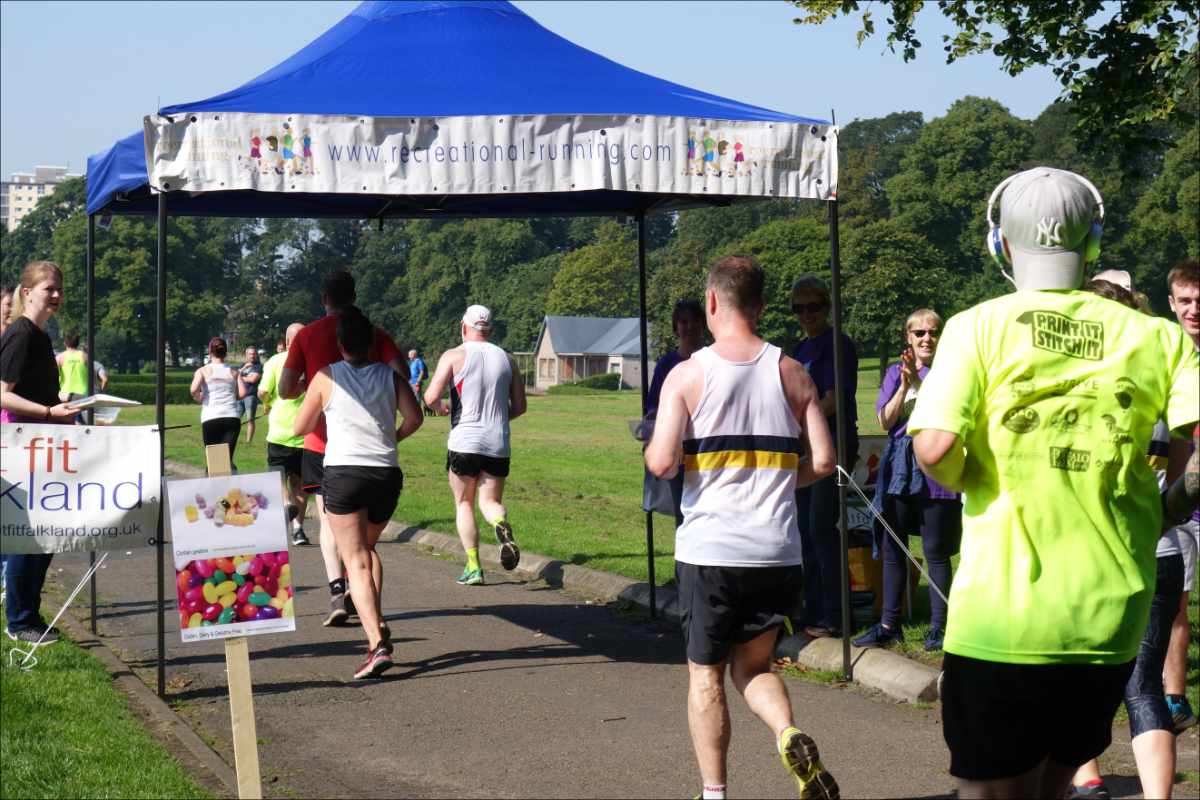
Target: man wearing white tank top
point(745, 423)
point(486, 391)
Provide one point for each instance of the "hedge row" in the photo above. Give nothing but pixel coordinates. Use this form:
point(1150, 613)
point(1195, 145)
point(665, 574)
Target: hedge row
point(144, 392)
point(605, 382)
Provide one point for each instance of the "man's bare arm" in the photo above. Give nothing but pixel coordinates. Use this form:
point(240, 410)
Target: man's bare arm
point(291, 384)
point(516, 392)
point(665, 451)
point(441, 379)
point(807, 408)
point(941, 456)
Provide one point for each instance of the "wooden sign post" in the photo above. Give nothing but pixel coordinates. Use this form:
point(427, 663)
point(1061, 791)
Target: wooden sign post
point(237, 667)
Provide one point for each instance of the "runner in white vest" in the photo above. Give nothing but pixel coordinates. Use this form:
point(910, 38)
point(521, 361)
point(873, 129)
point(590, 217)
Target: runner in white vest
point(745, 422)
point(486, 391)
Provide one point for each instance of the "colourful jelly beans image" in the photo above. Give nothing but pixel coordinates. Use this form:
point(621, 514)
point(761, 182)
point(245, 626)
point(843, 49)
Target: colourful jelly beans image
point(234, 508)
point(245, 588)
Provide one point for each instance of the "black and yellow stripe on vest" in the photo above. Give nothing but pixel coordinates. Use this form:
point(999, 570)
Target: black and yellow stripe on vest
point(736, 452)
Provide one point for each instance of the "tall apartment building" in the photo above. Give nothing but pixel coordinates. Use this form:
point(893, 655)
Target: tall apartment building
point(19, 195)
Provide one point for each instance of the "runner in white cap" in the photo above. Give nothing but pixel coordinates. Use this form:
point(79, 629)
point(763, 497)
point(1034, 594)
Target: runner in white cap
point(486, 391)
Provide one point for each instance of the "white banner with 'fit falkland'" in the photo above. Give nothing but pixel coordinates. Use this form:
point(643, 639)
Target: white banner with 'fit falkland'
point(69, 487)
point(210, 152)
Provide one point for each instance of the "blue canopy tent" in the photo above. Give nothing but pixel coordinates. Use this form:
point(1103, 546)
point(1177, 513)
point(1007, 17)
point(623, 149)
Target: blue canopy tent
point(456, 109)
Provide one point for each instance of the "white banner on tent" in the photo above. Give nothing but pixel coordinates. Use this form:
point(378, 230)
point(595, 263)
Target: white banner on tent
point(208, 152)
point(68, 487)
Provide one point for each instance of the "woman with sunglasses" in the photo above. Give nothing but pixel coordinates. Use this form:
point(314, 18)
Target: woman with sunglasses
point(817, 505)
point(910, 501)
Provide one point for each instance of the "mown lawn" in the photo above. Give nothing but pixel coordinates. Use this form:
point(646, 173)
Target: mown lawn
point(65, 731)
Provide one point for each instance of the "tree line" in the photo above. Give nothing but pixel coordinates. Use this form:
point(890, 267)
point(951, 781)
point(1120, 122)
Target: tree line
point(912, 195)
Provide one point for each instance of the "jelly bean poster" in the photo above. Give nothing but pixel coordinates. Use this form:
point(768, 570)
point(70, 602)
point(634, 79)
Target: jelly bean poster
point(233, 576)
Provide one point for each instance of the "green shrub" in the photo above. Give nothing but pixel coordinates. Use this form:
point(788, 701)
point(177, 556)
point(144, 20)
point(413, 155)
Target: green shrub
point(177, 393)
point(605, 382)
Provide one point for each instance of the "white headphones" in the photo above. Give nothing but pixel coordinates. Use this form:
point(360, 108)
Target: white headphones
point(997, 246)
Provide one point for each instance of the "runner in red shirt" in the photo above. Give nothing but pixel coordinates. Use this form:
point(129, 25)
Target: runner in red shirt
point(314, 348)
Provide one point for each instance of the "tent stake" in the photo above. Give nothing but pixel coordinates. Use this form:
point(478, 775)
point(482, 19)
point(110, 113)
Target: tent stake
point(161, 421)
point(839, 358)
point(641, 234)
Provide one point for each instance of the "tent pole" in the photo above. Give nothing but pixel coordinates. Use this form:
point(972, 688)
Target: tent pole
point(839, 358)
point(161, 421)
point(641, 234)
point(90, 269)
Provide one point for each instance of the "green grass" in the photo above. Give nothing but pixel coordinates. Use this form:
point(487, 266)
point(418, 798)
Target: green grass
point(65, 731)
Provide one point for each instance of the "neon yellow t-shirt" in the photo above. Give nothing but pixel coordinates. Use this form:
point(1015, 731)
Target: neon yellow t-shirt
point(283, 412)
point(1055, 395)
point(72, 374)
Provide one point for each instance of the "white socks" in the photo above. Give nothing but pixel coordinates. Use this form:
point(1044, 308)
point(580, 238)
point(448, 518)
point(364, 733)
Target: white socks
point(714, 792)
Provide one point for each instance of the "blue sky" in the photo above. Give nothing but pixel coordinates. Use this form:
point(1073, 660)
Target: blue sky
point(74, 77)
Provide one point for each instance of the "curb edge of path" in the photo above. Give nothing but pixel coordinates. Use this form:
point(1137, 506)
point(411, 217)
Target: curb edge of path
point(896, 676)
point(206, 767)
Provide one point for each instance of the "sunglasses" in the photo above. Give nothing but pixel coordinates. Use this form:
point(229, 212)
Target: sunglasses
point(807, 308)
point(921, 333)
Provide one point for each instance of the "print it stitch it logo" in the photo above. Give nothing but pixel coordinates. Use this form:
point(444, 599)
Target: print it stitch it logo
point(1058, 333)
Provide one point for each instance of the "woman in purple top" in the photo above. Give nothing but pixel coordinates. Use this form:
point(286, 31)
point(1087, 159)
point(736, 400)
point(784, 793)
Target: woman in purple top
point(910, 501)
point(688, 321)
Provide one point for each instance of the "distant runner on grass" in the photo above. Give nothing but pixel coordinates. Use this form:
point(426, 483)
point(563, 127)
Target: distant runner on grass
point(486, 391)
point(746, 422)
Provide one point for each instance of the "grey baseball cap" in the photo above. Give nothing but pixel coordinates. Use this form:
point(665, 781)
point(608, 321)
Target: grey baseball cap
point(478, 317)
point(1046, 215)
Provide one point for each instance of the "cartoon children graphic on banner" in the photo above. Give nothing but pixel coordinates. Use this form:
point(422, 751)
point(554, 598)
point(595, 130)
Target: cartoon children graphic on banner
point(306, 142)
point(691, 152)
point(739, 158)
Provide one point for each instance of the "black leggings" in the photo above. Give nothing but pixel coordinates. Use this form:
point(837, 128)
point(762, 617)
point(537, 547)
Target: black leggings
point(223, 430)
point(1144, 693)
point(940, 525)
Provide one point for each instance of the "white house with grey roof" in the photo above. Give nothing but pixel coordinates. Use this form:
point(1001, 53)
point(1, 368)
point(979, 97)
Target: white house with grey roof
point(570, 349)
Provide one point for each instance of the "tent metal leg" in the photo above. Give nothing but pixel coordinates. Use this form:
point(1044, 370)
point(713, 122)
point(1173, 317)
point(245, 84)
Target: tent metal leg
point(641, 234)
point(161, 422)
point(839, 358)
point(90, 269)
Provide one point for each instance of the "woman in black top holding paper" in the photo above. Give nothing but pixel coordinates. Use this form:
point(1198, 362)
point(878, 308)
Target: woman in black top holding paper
point(29, 393)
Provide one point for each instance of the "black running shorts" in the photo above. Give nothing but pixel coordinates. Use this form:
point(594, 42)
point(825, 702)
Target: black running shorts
point(288, 459)
point(724, 606)
point(312, 471)
point(469, 465)
point(1000, 720)
point(349, 488)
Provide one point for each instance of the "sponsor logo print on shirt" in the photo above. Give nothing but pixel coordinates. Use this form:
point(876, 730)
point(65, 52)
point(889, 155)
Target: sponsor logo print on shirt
point(1021, 419)
point(1066, 458)
point(1058, 333)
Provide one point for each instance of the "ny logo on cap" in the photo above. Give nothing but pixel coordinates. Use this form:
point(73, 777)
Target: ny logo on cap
point(1049, 232)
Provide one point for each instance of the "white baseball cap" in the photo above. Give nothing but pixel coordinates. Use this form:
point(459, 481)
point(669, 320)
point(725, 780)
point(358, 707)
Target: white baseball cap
point(479, 318)
point(1118, 277)
point(1046, 215)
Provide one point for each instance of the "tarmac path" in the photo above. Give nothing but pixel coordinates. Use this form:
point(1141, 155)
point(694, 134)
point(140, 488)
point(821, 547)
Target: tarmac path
point(513, 689)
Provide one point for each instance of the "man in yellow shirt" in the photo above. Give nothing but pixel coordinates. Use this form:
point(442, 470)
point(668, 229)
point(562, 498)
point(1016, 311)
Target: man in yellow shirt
point(1040, 408)
point(72, 369)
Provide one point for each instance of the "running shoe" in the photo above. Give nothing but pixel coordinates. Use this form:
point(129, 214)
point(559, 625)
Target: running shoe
point(879, 636)
point(1093, 789)
point(299, 539)
point(934, 639)
point(338, 613)
point(470, 577)
point(376, 663)
point(1181, 712)
point(510, 554)
point(33, 635)
point(799, 754)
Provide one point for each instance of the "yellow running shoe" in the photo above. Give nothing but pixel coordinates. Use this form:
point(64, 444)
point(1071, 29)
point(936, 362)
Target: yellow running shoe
point(799, 754)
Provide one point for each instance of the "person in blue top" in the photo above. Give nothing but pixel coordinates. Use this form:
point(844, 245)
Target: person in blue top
point(818, 503)
point(909, 500)
point(417, 372)
point(688, 322)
